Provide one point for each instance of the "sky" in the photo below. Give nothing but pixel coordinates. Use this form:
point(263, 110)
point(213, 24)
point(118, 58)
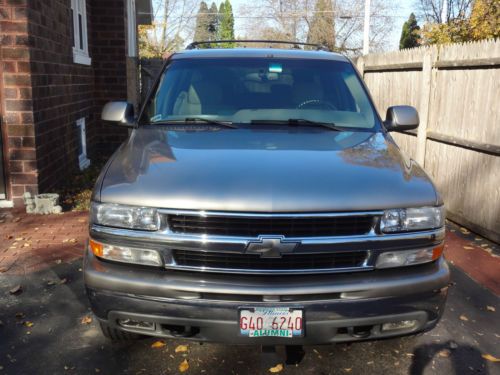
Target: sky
point(402, 14)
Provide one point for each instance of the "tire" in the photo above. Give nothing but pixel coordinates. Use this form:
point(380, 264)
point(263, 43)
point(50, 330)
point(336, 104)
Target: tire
point(116, 334)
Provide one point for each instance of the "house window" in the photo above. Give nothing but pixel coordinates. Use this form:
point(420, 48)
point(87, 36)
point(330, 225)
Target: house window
point(82, 144)
point(79, 31)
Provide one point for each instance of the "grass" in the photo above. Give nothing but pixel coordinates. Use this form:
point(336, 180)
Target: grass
point(76, 194)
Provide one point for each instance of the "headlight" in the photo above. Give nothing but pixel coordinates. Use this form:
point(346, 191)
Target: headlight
point(126, 254)
point(115, 215)
point(401, 258)
point(408, 219)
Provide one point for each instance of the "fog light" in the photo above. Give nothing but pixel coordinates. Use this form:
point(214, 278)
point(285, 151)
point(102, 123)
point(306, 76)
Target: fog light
point(137, 324)
point(403, 324)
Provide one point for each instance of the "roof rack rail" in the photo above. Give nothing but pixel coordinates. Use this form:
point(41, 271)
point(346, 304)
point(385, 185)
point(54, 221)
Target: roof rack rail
point(319, 47)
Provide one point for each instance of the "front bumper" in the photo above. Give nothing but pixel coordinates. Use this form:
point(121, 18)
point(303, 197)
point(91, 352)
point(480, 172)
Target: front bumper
point(204, 307)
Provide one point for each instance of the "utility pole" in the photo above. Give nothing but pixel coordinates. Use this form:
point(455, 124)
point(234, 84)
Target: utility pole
point(366, 34)
point(444, 12)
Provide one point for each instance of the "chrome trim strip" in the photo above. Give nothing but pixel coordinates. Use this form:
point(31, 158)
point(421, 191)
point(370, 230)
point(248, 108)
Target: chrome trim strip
point(271, 272)
point(267, 215)
point(167, 238)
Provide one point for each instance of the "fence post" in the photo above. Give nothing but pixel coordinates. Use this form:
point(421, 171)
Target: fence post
point(360, 64)
point(425, 103)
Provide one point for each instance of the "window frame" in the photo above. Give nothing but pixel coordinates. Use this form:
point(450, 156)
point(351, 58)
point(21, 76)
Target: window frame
point(83, 161)
point(80, 32)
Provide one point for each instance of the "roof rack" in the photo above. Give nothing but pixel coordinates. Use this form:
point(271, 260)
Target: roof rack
point(319, 47)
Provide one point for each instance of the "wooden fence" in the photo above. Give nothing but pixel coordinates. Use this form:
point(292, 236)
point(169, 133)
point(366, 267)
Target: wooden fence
point(456, 89)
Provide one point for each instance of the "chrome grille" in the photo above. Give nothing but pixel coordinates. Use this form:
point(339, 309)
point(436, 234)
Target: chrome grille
point(309, 226)
point(291, 262)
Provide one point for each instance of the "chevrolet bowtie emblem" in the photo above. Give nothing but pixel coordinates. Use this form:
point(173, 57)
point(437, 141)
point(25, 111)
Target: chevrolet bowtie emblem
point(271, 247)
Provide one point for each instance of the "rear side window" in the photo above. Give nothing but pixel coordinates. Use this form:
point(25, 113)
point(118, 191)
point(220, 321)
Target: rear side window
point(245, 89)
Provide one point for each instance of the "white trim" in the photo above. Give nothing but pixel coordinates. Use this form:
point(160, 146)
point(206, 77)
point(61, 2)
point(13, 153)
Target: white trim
point(80, 58)
point(6, 204)
point(80, 42)
point(83, 161)
point(131, 29)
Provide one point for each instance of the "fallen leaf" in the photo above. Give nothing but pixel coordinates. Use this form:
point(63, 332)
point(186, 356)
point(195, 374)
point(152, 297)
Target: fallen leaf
point(490, 358)
point(464, 318)
point(16, 219)
point(464, 231)
point(16, 290)
point(58, 261)
point(468, 248)
point(28, 324)
point(19, 239)
point(184, 366)
point(348, 369)
point(51, 282)
point(86, 320)
point(73, 240)
point(3, 269)
point(158, 344)
point(181, 349)
point(490, 308)
point(277, 368)
point(444, 353)
point(20, 315)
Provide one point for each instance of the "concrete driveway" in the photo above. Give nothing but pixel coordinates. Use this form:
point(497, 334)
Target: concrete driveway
point(47, 328)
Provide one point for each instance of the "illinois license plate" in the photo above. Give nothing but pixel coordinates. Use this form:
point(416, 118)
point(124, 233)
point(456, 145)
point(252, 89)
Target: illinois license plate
point(271, 321)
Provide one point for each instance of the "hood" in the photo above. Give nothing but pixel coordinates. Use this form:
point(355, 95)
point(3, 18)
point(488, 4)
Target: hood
point(264, 169)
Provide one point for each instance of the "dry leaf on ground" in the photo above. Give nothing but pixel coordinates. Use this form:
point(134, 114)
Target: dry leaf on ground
point(29, 324)
point(184, 366)
point(181, 349)
point(468, 248)
point(16, 290)
point(490, 308)
point(86, 320)
point(464, 318)
point(444, 353)
point(490, 358)
point(158, 344)
point(277, 368)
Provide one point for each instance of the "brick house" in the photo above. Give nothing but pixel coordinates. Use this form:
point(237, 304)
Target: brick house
point(60, 61)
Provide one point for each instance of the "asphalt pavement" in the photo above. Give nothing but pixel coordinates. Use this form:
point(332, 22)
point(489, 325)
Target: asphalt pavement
point(47, 328)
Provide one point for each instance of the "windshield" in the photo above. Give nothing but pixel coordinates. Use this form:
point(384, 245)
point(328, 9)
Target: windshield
point(255, 90)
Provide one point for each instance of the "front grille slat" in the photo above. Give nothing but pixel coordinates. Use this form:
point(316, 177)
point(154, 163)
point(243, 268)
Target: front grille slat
point(238, 261)
point(255, 226)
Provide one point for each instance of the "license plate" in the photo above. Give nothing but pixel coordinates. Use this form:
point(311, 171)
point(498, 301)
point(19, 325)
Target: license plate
point(271, 321)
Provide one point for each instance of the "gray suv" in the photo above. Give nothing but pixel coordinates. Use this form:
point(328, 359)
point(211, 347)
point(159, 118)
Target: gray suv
point(260, 199)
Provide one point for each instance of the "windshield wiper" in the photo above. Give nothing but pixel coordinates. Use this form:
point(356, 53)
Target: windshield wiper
point(300, 121)
point(197, 121)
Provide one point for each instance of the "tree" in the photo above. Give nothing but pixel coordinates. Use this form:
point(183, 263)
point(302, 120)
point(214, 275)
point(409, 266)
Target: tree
point(173, 22)
point(213, 22)
point(291, 19)
point(201, 31)
point(434, 10)
point(410, 33)
point(226, 23)
point(322, 27)
point(482, 23)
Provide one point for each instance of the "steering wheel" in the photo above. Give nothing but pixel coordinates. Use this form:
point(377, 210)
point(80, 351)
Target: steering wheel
point(318, 103)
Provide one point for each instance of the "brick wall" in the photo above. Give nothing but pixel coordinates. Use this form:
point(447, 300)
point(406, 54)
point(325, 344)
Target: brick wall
point(45, 92)
point(108, 52)
point(16, 103)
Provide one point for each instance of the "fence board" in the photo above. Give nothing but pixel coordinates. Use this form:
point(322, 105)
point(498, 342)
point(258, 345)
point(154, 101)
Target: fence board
point(463, 108)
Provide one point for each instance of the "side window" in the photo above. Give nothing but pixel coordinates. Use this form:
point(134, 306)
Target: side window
point(80, 37)
point(81, 137)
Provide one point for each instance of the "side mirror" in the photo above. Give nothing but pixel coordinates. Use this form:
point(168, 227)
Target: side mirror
point(401, 117)
point(122, 113)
